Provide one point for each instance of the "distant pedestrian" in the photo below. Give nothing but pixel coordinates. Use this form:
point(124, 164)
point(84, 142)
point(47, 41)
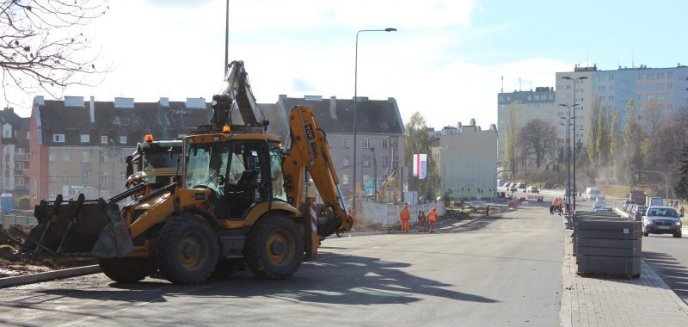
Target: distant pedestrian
point(432, 220)
point(405, 216)
point(421, 220)
point(487, 210)
point(682, 211)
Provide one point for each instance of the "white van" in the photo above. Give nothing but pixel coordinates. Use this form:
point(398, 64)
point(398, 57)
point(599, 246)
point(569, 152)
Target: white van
point(591, 192)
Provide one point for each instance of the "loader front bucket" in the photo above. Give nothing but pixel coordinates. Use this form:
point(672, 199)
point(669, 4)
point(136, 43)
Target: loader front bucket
point(91, 228)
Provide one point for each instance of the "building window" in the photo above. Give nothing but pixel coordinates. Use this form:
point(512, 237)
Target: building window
point(58, 138)
point(366, 161)
point(84, 177)
point(385, 161)
point(122, 140)
point(394, 142)
point(346, 161)
point(346, 143)
point(104, 178)
point(85, 138)
point(65, 155)
point(65, 179)
point(345, 179)
point(103, 140)
point(365, 143)
point(52, 178)
point(85, 158)
point(385, 143)
point(28, 135)
point(51, 156)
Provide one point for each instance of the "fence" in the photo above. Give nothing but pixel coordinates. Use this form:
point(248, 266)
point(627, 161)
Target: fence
point(374, 213)
point(17, 217)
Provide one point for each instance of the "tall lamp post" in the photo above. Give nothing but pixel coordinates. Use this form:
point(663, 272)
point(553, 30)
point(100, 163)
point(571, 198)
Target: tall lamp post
point(573, 109)
point(355, 122)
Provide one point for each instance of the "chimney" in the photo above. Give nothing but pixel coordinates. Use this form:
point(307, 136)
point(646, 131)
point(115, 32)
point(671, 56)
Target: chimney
point(92, 110)
point(472, 121)
point(333, 107)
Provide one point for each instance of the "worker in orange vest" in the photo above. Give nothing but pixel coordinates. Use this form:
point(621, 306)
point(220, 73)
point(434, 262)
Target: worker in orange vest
point(405, 216)
point(432, 220)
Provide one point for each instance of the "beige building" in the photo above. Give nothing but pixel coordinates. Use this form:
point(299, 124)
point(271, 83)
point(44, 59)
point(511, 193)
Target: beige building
point(467, 157)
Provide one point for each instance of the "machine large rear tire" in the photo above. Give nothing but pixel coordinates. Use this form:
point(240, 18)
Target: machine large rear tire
point(274, 247)
point(186, 250)
point(126, 270)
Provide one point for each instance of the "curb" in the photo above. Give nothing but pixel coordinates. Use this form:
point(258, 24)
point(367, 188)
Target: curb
point(49, 275)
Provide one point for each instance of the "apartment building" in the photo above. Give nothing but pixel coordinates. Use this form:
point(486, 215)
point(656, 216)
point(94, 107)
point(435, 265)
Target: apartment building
point(79, 146)
point(379, 138)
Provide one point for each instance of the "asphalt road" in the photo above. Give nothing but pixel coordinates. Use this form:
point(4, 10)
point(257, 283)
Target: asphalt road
point(668, 256)
point(499, 271)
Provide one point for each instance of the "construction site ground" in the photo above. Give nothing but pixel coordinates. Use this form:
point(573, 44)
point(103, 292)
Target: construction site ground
point(14, 263)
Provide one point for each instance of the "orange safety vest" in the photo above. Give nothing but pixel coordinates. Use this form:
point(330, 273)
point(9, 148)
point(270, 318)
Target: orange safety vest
point(432, 216)
point(405, 215)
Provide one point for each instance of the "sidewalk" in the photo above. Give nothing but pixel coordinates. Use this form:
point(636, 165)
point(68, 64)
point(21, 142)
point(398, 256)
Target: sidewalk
point(644, 301)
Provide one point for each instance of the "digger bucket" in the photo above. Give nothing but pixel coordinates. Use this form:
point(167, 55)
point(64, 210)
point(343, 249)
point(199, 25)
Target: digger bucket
point(90, 228)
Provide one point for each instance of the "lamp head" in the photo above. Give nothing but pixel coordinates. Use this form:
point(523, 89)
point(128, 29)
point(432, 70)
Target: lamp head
point(390, 29)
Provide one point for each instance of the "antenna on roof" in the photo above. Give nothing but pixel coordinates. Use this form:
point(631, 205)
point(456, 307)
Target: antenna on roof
point(502, 89)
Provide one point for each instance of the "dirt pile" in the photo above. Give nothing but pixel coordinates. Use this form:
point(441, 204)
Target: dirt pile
point(14, 262)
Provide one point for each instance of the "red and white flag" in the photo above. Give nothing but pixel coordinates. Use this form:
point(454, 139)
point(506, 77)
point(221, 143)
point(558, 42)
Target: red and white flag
point(420, 164)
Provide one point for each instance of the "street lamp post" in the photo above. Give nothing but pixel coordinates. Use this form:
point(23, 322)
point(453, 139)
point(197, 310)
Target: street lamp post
point(575, 81)
point(567, 191)
point(355, 122)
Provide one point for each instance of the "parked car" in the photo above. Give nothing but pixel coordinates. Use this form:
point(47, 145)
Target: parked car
point(521, 187)
point(512, 187)
point(532, 189)
point(602, 209)
point(661, 220)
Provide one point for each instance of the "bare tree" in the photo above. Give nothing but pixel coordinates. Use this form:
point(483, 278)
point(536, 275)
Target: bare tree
point(538, 137)
point(43, 45)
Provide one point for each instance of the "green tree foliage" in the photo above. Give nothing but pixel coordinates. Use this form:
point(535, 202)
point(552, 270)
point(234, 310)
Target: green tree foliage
point(537, 139)
point(632, 136)
point(511, 141)
point(418, 141)
point(681, 187)
point(593, 135)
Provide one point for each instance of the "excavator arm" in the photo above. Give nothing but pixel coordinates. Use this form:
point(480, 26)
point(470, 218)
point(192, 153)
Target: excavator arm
point(310, 152)
point(237, 95)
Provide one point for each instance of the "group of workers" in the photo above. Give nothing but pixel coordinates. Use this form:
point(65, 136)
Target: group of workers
point(560, 206)
point(430, 220)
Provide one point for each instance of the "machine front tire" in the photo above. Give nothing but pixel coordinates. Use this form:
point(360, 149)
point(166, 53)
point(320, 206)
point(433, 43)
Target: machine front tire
point(274, 247)
point(186, 251)
point(126, 270)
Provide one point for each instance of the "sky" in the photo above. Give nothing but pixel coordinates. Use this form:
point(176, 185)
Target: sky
point(447, 60)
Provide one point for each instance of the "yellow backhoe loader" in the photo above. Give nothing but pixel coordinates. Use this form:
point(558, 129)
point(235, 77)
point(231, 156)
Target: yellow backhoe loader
point(239, 199)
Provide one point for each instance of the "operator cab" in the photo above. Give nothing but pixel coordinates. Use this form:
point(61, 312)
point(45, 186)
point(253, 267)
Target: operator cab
point(240, 173)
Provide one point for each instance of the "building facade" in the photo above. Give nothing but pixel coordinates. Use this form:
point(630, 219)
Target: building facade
point(380, 139)
point(516, 109)
point(653, 93)
point(79, 146)
point(14, 150)
point(467, 158)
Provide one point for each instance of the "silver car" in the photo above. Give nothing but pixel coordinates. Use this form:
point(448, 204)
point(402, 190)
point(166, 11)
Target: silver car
point(661, 220)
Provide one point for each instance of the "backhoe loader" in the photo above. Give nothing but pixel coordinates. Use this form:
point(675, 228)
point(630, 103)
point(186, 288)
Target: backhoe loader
point(240, 199)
